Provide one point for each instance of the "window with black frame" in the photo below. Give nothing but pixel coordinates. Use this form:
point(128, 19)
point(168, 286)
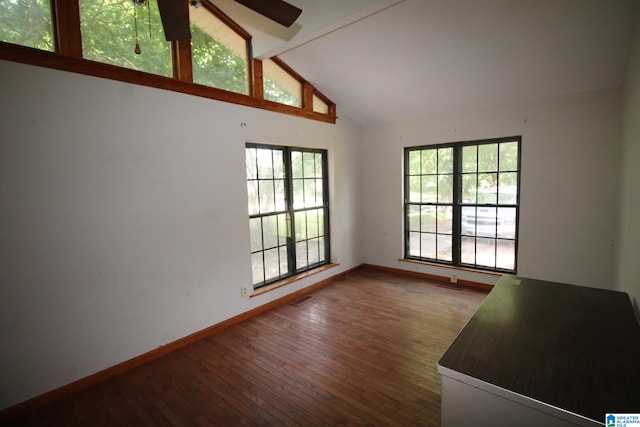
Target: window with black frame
point(288, 210)
point(462, 203)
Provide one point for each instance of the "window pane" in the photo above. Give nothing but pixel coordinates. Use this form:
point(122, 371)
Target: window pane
point(320, 219)
point(319, 192)
point(255, 227)
point(445, 219)
point(429, 161)
point(488, 158)
point(298, 193)
point(509, 156)
point(508, 183)
point(301, 255)
point(267, 196)
point(486, 252)
point(251, 161)
point(265, 163)
point(445, 160)
point(272, 264)
point(279, 195)
point(312, 223)
point(444, 247)
point(296, 164)
point(469, 188)
point(254, 202)
point(309, 193)
point(283, 229)
point(506, 254)
point(270, 231)
point(428, 245)
point(428, 219)
point(319, 106)
point(429, 189)
point(486, 221)
point(284, 260)
point(314, 254)
point(445, 188)
point(468, 250)
point(219, 54)
point(470, 158)
point(414, 162)
point(301, 226)
point(308, 165)
point(280, 86)
point(257, 267)
point(27, 23)
point(319, 173)
point(413, 218)
point(414, 244)
point(322, 249)
point(109, 35)
point(414, 189)
point(507, 223)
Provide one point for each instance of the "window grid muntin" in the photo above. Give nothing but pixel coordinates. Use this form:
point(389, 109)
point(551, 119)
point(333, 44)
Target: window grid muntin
point(458, 236)
point(298, 249)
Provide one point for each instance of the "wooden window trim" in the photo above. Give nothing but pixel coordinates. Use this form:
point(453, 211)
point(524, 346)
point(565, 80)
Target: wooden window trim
point(68, 57)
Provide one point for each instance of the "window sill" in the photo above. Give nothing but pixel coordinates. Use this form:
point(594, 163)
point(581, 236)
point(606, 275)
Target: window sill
point(452, 267)
point(291, 279)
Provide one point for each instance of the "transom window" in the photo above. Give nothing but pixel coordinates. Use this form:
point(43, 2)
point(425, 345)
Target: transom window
point(129, 34)
point(288, 210)
point(220, 55)
point(280, 86)
point(462, 203)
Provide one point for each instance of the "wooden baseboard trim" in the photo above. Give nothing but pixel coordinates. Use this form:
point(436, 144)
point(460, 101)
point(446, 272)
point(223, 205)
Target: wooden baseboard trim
point(433, 277)
point(86, 382)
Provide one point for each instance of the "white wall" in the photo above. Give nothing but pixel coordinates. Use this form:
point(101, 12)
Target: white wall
point(123, 219)
point(628, 238)
point(570, 154)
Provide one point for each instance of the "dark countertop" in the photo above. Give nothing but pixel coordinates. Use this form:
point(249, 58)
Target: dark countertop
point(572, 347)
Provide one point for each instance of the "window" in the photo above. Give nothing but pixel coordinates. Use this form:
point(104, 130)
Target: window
point(280, 86)
point(27, 23)
point(220, 55)
point(111, 29)
point(462, 203)
point(100, 37)
point(319, 106)
point(288, 211)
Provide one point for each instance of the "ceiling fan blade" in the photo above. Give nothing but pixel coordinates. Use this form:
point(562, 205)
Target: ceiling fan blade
point(175, 19)
point(277, 10)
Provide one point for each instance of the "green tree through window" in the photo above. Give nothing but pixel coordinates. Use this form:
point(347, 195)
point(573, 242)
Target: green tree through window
point(27, 23)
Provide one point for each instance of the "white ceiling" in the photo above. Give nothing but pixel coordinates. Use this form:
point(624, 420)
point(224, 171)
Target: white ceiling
point(382, 61)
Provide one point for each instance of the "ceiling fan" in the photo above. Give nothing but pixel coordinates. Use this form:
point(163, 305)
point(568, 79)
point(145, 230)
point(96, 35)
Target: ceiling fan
point(175, 18)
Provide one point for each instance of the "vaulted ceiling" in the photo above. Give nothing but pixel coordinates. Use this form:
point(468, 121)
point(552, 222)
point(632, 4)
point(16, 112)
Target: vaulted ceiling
point(382, 61)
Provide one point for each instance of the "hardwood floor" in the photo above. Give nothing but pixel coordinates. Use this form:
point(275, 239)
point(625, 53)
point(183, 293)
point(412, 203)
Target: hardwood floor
point(362, 351)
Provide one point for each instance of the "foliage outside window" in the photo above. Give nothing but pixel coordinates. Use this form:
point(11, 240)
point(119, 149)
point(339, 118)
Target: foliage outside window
point(109, 35)
point(288, 210)
point(280, 86)
point(27, 23)
point(462, 203)
point(220, 57)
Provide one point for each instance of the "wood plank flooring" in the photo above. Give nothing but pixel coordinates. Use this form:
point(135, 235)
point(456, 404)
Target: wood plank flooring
point(362, 351)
